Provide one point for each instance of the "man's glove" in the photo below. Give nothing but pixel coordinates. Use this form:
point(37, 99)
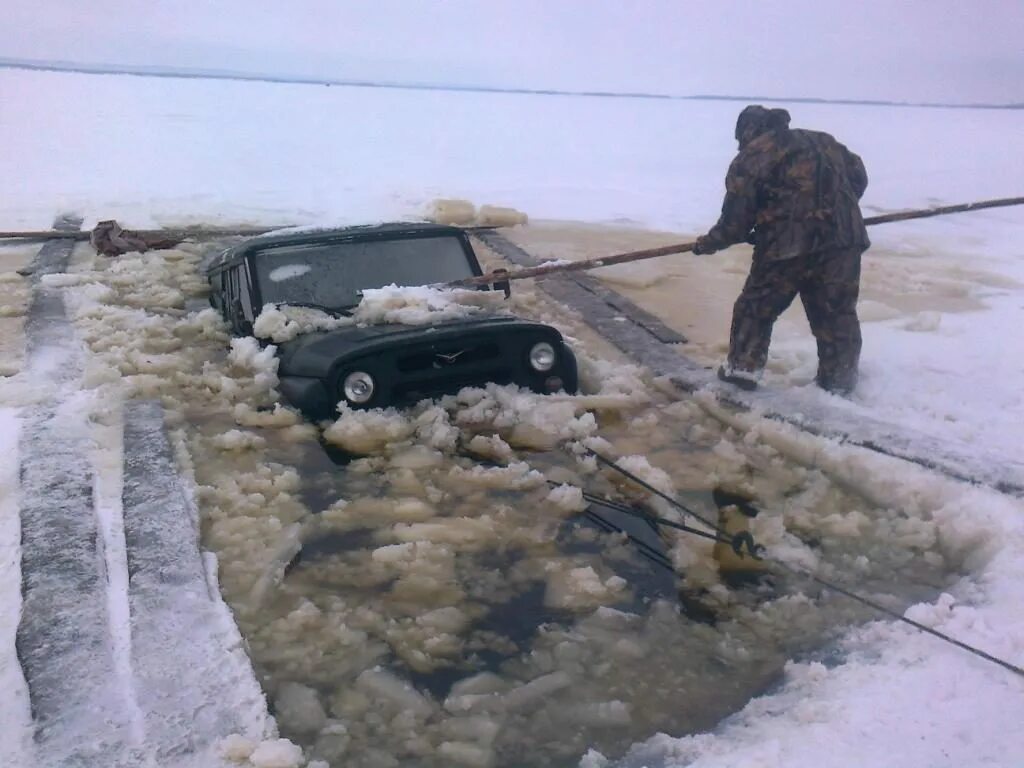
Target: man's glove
point(703, 246)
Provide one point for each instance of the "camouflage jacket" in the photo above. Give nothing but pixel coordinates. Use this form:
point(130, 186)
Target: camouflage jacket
point(792, 192)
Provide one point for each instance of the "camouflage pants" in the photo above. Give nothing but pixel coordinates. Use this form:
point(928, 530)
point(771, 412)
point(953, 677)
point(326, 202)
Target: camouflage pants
point(828, 284)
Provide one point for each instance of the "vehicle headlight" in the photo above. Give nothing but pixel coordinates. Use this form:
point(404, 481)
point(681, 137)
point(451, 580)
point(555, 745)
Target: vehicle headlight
point(542, 356)
point(358, 387)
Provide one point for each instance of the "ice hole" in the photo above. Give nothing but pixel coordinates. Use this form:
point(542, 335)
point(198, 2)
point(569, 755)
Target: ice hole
point(510, 628)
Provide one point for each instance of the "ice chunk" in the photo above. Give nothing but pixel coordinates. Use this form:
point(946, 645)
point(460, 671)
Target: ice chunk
point(333, 741)
point(462, 753)
point(422, 305)
point(248, 357)
point(236, 747)
point(276, 753)
point(639, 466)
point(364, 432)
point(368, 513)
point(475, 728)
point(288, 545)
point(417, 457)
point(449, 619)
point(451, 211)
point(523, 418)
point(601, 714)
point(66, 279)
point(567, 498)
point(580, 588)
point(381, 685)
point(247, 416)
point(238, 440)
point(474, 702)
point(298, 709)
point(434, 428)
point(500, 216)
point(485, 682)
point(535, 690)
point(283, 322)
point(462, 531)
point(516, 476)
point(491, 447)
point(397, 553)
point(593, 759)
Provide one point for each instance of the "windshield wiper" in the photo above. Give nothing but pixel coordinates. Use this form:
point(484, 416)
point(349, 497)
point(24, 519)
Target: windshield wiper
point(332, 311)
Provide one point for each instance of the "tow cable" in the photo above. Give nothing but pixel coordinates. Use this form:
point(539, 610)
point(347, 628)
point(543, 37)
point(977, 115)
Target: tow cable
point(738, 541)
point(745, 541)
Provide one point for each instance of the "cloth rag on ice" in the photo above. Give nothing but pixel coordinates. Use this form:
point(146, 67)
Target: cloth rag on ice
point(109, 239)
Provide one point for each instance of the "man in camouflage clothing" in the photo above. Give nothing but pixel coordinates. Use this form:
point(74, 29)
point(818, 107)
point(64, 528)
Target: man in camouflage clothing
point(794, 195)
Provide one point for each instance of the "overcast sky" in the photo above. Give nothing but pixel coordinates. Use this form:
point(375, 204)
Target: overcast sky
point(918, 50)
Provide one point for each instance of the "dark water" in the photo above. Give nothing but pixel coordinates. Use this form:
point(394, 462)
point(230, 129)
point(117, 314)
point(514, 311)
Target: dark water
point(473, 610)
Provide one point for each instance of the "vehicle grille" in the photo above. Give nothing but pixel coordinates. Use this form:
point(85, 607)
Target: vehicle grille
point(447, 357)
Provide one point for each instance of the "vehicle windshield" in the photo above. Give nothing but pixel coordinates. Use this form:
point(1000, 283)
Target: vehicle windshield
point(332, 275)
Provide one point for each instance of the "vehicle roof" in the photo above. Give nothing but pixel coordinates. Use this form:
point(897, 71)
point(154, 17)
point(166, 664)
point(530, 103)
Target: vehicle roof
point(385, 231)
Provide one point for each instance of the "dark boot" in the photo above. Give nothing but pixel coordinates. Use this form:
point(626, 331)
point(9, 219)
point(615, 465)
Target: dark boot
point(740, 379)
point(832, 386)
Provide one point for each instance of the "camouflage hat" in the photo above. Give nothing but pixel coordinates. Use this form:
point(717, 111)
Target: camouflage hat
point(755, 120)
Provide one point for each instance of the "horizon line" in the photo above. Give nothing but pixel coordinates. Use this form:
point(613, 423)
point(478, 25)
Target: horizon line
point(187, 73)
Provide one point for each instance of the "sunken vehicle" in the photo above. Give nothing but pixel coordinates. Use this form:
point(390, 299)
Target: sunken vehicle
point(389, 364)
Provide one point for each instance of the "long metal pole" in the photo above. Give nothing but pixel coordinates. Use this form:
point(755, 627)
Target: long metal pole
point(942, 211)
point(48, 234)
point(668, 250)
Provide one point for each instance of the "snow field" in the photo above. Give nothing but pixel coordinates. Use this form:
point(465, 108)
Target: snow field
point(656, 163)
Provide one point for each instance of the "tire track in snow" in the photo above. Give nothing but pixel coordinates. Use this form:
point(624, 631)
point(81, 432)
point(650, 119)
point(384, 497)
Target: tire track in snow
point(194, 681)
point(83, 712)
point(15, 714)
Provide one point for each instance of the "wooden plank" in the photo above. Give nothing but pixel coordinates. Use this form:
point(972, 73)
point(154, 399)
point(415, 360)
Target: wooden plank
point(637, 314)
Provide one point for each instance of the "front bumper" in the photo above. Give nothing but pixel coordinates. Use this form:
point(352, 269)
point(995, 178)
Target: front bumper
point(407, 374)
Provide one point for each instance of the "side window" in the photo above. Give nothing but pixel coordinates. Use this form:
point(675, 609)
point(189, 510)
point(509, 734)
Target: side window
point(239, 304)
point(230, 296)
point(230, 286)
point(245, 284)
point(216, 289)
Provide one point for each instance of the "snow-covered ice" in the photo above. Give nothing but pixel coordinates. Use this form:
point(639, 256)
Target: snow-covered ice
point(15, 712)
point(942, 304)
